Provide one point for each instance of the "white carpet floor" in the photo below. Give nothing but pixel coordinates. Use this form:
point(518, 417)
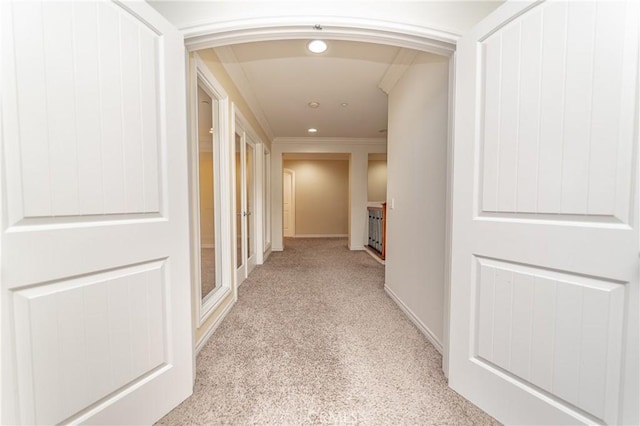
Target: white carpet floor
point(314, 339)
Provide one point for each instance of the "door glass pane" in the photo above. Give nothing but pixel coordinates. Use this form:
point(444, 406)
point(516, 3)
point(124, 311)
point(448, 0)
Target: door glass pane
point(250, 201)
point(239, 210)
point(206, 112)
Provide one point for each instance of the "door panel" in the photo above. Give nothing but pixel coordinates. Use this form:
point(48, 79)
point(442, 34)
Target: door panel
point(287, 208)
point(544, 306)
point(250, 202)
point(240, 264)
point(245, 201)
point(95, 278)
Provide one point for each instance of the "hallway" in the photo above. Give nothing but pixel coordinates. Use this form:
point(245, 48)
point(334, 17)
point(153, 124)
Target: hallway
point(314, 339)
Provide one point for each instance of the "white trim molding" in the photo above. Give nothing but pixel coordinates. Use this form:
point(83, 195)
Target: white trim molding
point(291, 172)
point(328, 141)
point(321, 236)
point(397, 68)
point(214, 327)
point(234, 68)
point(414, 319)
point(204, 307)
point(211, 35)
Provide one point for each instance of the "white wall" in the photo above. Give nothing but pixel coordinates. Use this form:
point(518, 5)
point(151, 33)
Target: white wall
point(377, 180)
point(417, 172)
point(322, 196)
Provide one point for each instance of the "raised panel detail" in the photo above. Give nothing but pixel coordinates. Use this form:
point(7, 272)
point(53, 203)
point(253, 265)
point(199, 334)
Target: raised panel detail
point(86, 137)
point(559, 332)
point(550, 147)
point(80, 339)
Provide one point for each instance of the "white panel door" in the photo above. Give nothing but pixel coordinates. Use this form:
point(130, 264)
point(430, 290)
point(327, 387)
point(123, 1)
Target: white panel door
point(287, 203)
point(544, 285)
point(96, 322)
point(245, 149)
point(250, 184)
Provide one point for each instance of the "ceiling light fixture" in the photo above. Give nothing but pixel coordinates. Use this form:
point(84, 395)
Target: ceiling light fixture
point(344, 105)
point(317, 46)
point(312, 130)
point(313, 104)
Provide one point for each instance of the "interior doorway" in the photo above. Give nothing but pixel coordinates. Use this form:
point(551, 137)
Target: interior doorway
point(289, 203)
point(245, 191)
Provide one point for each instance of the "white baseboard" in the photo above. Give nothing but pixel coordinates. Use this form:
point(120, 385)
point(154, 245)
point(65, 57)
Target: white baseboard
point(266, 254)
point(371, 253)
point(207, 246)
point(277, 248)
point(213, 328)
point(414, 319)
point(321, 236)
point(360, 247)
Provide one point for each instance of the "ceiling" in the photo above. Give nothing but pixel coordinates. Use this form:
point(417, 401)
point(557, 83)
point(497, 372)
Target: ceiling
point(280, 78)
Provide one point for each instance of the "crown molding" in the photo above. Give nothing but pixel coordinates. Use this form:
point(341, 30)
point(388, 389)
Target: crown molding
point(397, 68)
point(211, 35)
point(236, 72)
point(328, 141)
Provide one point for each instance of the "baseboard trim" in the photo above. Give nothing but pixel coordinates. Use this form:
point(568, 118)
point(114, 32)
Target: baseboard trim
point(414, 319)
point(373, 254)
point(214, 327)
point(321, 236)
point(356, 248)
point(207, 246)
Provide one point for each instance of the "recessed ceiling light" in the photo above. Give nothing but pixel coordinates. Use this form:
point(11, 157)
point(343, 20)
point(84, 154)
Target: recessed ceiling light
point(312, 130)
point(344, 104)
point(314, 104)
point(317, 46)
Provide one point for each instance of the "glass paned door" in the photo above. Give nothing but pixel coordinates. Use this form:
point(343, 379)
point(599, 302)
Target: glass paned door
point(250, 202)
point(245, 159)
point(239, 201)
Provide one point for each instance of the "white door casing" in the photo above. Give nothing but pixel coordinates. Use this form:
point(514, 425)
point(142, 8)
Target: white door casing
point(250, 195)
point(96, 323)
point(246, 142)
point(288, 203)
point(239, 228)
point(544, 290)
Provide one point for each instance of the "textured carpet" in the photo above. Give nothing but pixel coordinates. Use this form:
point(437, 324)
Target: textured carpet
point(314, 339)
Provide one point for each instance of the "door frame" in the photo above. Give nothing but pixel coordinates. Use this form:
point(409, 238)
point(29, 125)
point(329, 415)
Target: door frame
point(241, 127)
point(426, 39)
point(251, 218)
point(293, 200)
point(222, 179)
